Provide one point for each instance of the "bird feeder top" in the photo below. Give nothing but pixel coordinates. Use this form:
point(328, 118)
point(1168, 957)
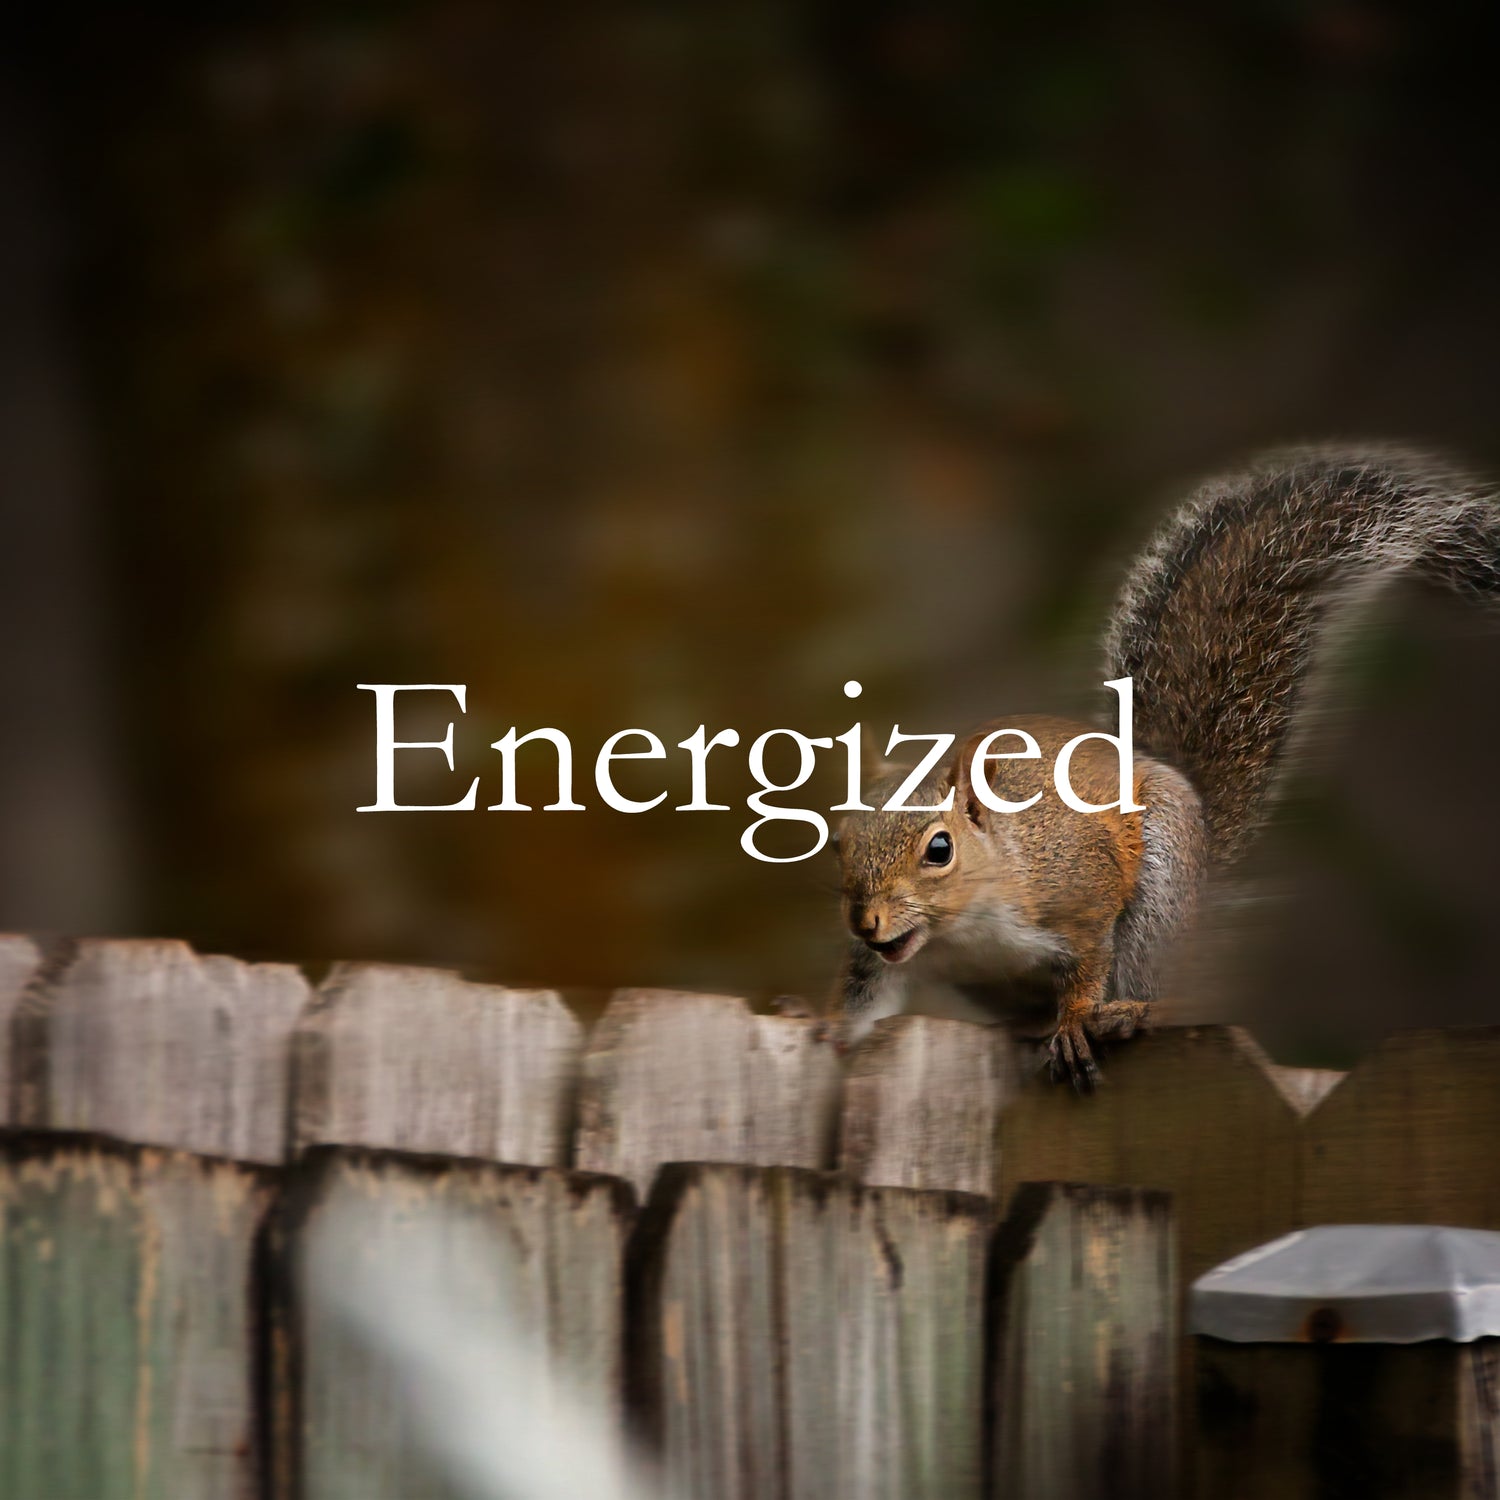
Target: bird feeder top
point(1356, 1283)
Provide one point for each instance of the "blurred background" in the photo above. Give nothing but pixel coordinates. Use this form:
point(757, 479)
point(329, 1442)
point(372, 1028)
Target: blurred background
point(661, 365)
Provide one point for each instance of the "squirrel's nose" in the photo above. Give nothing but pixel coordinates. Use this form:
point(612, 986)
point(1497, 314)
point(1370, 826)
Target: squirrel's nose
point(866, 923)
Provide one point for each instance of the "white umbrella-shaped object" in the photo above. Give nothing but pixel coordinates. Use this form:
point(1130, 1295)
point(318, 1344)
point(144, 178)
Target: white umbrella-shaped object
point(1356, 1283)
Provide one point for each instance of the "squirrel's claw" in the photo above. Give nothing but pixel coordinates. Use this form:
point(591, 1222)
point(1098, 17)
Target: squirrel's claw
point(1069, 1054)
point(1070, 1057)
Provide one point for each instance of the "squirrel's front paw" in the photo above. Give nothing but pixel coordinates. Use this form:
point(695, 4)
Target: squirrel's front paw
point(1069, 1054)
point(1069, 1057)
point(1117, 1020)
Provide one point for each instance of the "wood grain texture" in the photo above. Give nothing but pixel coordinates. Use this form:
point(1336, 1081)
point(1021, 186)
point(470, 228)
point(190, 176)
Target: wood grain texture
point(126, 1321)
point(678, 1077)
point(1479, 1419)
point(1306, 1421)
point(537, 1252)
point(1190, 1111)
point(19, 959)
point(884, 1342)
point(1083, 1345)
point(421, 1060)
point(1410, 1136)
point(797, 1335)
point(704, 1331)
point(922, 1100)
point(151, 1042)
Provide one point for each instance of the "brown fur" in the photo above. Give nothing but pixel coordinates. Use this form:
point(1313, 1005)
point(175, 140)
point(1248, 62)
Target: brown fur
point(1223, 625)
point(1222, 618)
point(1057, 880)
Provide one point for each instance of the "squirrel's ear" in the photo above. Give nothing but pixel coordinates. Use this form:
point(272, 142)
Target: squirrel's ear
point(961, 779)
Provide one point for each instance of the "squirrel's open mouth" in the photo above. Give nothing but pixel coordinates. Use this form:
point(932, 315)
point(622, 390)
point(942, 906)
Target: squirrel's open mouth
point(901, 947)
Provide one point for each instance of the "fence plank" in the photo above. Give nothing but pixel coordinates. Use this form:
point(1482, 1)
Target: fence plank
point(1409, 1136)
point(921, 1103)
point(19, 959)
point(884, 1341)
point(151, 1042)
point(677, 1077)
point(126, 1321)
point(1083, 1297)
point(703, 1332)
point(535, 1252)
point(1191, 1111)
point(796, 1335)
point(421, 1060)
point(1307, 1421)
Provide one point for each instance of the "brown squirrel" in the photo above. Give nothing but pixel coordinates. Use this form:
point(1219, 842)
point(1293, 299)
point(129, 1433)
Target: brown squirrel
point(1221, 622)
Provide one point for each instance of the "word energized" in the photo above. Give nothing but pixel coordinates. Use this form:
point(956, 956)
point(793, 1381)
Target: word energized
point(700, 743)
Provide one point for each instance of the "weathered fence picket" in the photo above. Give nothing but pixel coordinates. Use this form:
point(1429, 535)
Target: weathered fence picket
point(1304, 1422)
point(791, 1332)
point(797, 1336)
point(151, 1042)
point(884, 1353)
point(705, 1331)
point(19, 960)
point(127, 1321)
point(421, 1060)
point(442, 1251)
point(1410, 1136)
point(1083, 1345)
point(676, 1077)
point(1195, 1112)
point(922, 1102)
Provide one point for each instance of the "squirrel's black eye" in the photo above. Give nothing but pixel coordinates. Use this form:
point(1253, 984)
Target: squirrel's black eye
point(939, 849)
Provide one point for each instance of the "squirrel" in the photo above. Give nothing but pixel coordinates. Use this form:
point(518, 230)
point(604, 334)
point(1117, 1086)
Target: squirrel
point(1222, 624)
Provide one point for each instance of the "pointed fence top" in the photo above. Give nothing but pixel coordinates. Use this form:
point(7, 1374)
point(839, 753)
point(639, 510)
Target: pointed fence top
point(1356, 1283)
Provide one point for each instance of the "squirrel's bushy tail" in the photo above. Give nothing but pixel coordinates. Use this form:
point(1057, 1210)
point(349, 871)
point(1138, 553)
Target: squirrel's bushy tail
point(1221, 618)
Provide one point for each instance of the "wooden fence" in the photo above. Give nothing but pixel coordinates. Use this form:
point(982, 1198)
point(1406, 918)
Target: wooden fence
point(915, 1275)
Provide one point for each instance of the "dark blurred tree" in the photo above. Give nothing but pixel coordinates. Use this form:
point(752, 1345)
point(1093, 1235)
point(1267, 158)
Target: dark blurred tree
point(669, 364)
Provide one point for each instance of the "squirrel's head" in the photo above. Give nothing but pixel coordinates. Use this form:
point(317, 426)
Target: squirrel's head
point(903, 875)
